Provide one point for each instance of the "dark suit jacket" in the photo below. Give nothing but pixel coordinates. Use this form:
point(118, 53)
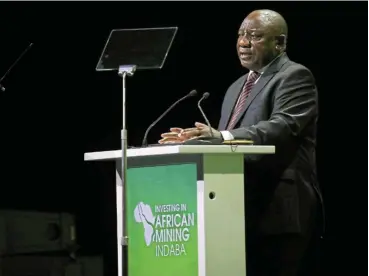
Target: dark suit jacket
point(281, 190)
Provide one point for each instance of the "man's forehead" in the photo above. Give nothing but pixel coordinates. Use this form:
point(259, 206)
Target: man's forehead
point(257, 21)
point(251, 23)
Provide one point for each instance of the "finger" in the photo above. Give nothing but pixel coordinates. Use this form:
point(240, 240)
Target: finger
point(173, 142)
point(191, 133)
point(169, 142)
point(176, 129)
point(164, 141)
point(171, 139)
point(200, 125)
point(161, 141)
point(188, 129)
point(169, 134)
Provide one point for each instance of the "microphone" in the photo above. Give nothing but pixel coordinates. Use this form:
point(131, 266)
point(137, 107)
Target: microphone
point(204, 97)
point(191, 94)
point(2, 88)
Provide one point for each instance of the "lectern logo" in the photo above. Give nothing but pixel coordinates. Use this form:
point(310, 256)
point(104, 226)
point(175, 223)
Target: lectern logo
point(169, 229)
point(143, 214)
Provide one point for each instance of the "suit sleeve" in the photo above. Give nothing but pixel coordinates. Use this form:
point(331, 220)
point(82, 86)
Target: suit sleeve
point(294, 106)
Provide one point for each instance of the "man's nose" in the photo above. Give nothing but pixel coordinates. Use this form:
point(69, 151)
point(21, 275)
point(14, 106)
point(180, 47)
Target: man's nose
point(244, 42)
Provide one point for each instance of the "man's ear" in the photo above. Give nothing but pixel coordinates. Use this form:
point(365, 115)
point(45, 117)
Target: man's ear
point(281, 42)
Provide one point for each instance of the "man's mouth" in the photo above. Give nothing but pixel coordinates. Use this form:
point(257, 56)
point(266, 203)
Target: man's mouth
point(245, 55)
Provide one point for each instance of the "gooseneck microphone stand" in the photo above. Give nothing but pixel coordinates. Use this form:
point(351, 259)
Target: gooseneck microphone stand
point(2, 88)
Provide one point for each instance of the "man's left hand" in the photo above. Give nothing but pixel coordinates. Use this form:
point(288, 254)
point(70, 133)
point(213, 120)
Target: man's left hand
point(199, 131)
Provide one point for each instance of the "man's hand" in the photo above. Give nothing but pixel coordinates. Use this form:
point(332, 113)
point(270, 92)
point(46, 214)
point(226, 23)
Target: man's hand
point(200, 130)
point(180, 135)
point(172, 136)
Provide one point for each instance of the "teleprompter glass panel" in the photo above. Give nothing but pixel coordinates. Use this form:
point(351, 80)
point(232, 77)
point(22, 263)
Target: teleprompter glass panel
point(146, 48)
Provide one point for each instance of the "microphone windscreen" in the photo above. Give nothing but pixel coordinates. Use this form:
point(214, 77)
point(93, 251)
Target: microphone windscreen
point(193, 93)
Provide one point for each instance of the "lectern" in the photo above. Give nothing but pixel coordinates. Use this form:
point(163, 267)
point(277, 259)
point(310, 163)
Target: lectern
point(185, 208)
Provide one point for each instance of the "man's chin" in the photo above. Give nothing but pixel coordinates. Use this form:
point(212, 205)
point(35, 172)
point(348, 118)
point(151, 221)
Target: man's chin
point(250, 65)
point(246, 64)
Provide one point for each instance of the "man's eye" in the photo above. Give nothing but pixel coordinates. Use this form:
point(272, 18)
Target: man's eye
point(255, 37)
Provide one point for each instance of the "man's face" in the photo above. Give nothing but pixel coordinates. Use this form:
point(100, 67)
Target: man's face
point(256, 44)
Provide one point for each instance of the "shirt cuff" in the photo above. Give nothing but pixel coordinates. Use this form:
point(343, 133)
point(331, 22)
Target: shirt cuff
point(226, 135)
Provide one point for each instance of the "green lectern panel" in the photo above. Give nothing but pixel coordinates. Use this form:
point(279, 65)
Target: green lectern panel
point(162, 220)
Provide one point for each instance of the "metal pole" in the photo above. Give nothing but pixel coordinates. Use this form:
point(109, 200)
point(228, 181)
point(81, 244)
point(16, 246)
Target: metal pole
point(122, 237)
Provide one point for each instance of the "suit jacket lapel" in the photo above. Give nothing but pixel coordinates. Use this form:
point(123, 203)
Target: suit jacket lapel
point(258, 87)
point(269, 73)
point(233, 97)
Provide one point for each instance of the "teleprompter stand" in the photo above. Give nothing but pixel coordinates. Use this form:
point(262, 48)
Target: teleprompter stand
point(126, 51)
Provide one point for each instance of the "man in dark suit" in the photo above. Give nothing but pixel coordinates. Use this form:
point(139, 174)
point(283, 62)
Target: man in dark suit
point(276, 103)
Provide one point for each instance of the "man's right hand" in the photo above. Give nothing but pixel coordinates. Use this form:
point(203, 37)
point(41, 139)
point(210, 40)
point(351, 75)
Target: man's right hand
point(173, 136)
point(178, 135)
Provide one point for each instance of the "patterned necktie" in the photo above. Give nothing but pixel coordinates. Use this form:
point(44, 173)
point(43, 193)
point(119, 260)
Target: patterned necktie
point(253, 76)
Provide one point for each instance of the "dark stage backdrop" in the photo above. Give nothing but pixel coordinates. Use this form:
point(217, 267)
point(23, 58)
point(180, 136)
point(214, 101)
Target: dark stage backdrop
point(57, 107)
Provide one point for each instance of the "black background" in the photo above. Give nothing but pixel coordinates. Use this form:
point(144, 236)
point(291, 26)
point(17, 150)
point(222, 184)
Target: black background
point(56, 106)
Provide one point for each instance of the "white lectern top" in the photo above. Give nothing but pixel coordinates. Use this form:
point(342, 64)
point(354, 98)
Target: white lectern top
point(179, 149)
